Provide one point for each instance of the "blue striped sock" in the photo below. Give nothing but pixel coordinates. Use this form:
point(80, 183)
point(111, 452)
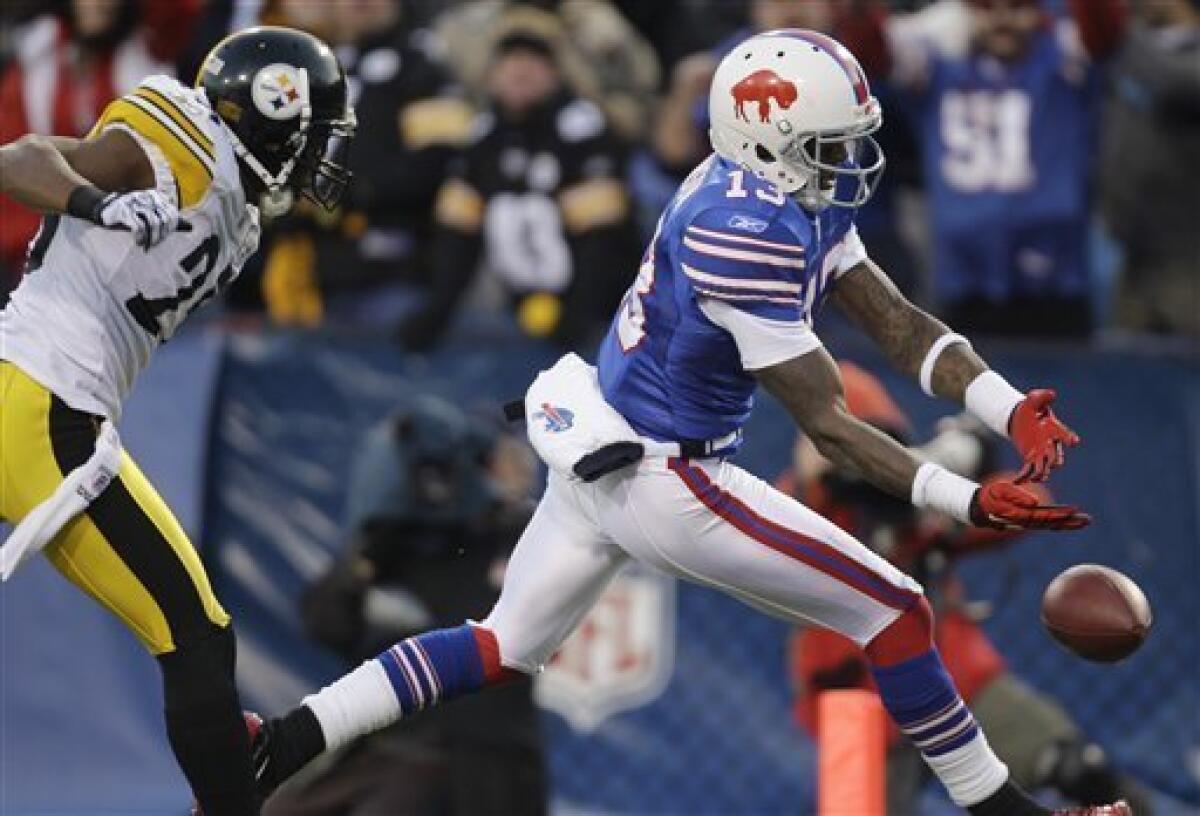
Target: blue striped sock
point(921, 698)
point(434, 666)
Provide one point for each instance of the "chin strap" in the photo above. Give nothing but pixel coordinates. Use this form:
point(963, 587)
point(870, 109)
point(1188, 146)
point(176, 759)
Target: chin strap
point(277, 199)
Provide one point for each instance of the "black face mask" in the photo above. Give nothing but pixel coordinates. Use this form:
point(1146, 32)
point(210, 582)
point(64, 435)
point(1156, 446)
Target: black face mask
point(321, 172)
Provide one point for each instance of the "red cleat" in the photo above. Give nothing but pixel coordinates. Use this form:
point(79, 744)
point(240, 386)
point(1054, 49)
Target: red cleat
point(1121, 808)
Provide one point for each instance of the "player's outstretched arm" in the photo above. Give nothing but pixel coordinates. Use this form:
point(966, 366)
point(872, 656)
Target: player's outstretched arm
point(944, 363)
point(810, 388)
point(106, 179)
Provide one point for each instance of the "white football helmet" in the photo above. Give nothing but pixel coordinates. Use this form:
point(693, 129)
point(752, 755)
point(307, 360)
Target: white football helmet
point(793, 106)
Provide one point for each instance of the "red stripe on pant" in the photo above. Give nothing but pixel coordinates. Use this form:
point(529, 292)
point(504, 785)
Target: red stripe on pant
point(855, 575)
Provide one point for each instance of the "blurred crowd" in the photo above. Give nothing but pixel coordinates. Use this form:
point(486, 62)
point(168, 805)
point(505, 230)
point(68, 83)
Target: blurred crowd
point(513, 155)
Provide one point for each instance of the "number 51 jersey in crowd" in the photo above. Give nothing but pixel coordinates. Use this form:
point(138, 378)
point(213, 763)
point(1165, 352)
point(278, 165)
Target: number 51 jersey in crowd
point(93, 305)
point(731, 238)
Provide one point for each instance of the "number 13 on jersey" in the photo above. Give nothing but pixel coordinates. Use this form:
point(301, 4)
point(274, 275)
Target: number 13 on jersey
point(631, 323)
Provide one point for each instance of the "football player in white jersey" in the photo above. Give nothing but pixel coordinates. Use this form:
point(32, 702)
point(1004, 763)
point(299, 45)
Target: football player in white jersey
point(146, 219)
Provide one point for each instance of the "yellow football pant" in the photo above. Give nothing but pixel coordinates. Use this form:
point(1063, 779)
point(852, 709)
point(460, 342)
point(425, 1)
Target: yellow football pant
point(127, 550)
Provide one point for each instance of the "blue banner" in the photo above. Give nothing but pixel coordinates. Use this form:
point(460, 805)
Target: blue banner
point(675, 700)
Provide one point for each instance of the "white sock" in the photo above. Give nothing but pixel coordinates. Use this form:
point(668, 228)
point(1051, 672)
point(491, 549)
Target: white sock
point(971, 773)
point(356, 704)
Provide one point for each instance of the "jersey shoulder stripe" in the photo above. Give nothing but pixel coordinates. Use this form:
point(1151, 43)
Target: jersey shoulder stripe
point(743, 250)
point(189, 152)
point(776, 288)
point(707, 288)
point(744, 240)
point(164, 105)
point(716, 249)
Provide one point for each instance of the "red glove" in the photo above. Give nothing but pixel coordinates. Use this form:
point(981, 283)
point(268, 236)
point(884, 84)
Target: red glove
point(1039, 435)
point(1001, 503)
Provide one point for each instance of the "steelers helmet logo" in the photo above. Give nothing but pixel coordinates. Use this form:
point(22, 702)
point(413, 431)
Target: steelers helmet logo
point(277, 91)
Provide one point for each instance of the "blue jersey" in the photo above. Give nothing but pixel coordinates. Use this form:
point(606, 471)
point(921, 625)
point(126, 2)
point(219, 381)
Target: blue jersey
point(726, 235)
point(1008, 154)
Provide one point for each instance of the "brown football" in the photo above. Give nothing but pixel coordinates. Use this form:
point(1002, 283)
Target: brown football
point(1096, 612)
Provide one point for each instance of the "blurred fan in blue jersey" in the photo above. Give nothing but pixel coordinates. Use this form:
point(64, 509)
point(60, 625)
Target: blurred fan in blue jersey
point(1003, 94)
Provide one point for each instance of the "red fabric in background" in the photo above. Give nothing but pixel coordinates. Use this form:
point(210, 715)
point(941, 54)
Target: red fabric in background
point(78, 100)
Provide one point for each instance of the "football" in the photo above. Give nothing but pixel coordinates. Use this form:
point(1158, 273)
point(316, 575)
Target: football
point(1096, 612)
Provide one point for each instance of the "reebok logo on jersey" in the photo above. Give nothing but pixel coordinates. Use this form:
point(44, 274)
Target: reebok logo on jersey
point(557, 419)
point(748, 223)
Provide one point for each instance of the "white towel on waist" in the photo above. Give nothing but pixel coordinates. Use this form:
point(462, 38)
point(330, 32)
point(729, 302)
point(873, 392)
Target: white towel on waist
point(77, 491)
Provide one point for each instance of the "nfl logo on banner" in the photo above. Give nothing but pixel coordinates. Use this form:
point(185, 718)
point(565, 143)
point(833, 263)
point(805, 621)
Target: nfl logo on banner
point(620, 657)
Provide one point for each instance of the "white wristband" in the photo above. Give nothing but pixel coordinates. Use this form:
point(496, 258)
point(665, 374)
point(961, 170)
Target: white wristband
point(925, 376)
point(939, 489)
point(992, 399)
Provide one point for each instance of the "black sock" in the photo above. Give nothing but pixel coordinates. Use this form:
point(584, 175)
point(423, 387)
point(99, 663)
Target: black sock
point(205, 724)
point(210, 744)
point(1008, 801)
point(293, 741)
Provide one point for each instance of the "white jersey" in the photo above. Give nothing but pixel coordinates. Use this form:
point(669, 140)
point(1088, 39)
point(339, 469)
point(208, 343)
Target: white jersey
point(94, 305)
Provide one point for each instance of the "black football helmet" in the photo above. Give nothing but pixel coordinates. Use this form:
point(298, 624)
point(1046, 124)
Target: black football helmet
point(282, 95)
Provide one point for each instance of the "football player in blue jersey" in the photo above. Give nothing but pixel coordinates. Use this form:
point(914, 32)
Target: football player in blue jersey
point(754, 240)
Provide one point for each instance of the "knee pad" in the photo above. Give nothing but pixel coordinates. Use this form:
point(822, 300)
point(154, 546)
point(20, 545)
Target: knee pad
point(908, 636)
point(201, 670)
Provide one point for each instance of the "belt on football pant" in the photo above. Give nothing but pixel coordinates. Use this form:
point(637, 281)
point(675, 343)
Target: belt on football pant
point(688, 449)
point(692, 448)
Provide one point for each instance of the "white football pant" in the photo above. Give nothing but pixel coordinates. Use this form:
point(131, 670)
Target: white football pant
point(706, 521)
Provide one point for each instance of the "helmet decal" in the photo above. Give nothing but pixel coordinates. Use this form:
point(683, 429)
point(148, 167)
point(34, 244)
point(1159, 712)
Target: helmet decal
point(761, 87)
point(277, 91)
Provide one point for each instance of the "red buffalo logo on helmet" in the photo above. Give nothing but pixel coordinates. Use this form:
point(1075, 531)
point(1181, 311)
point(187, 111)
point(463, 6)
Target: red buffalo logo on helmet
point(761, 87)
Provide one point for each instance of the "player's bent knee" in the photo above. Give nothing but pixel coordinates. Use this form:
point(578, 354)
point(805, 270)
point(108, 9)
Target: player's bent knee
point(512, 651)
point(200, 670)
point(910, 635)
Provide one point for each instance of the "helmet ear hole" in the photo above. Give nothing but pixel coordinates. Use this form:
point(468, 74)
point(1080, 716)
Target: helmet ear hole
point(763, 154)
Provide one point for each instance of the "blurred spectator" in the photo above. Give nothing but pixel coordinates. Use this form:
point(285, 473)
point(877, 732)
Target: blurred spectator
point(366, 264)
point(1004, 101)
point(1150, 168)
point(676, 28)
point(601, 56)
point(62, 69)
point(436, 505)
point(1041, 745)
point(540, 189)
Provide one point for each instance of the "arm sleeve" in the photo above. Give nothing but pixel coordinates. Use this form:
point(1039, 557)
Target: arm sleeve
point(761, 343)
point(751, 262)
point(159, 119)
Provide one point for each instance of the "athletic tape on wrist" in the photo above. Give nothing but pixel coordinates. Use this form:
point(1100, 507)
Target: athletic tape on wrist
point(84, 202)
point(931, 357)
point(992, 399)
point(939, 489)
